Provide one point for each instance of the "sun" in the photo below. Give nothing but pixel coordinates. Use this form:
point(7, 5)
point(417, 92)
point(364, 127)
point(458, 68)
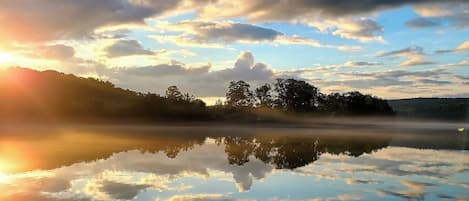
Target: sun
point(3, 178)
point(6, 58)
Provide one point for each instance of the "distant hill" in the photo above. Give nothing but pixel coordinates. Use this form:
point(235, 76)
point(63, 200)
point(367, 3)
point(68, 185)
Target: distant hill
point(432, 108)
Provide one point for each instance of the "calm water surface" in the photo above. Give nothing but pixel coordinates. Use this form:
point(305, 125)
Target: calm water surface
point(233, 163)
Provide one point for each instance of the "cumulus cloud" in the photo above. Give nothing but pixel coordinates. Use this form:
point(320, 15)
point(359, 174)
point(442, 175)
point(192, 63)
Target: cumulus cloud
point(127, 48)
point(199, 80)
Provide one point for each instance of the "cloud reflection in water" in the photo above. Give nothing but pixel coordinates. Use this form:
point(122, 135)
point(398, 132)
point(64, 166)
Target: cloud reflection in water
point(247, 168)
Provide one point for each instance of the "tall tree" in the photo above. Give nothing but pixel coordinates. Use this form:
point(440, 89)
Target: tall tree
point(239, 94)
point(173, 94)
point(264, 95)
point(334, 103)
point(297, 95)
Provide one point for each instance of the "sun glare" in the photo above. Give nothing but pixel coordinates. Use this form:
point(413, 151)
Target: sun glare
point(3, 178)
point(6, 58)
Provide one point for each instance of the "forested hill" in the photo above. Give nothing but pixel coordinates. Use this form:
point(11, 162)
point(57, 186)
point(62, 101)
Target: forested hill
point(432, 108)
point(27, 94)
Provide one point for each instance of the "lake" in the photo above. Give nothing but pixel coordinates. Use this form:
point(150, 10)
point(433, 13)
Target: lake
point(395, 161)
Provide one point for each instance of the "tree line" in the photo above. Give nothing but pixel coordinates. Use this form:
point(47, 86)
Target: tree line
point(299, 96)
point(27, 94)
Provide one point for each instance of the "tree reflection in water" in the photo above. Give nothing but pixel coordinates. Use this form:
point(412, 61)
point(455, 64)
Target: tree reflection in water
point(294, 152)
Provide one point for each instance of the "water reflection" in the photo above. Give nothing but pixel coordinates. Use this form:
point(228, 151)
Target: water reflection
point(254, 164)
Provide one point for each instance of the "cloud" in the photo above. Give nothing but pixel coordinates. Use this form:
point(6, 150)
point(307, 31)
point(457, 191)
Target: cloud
point(227, 31)
point(296, 40)
point(162, 70)
point(433, 10)
point(361, 63)
point(213, 34)
point(349, 48)
point(463, 63)
point(362, 181)
point(421, 23)
point(414, 55)
point(199, 80)
point(121, 191)
point(297, 73)
point(199, 197)
point(454, 12)
point(463, 47)
point(361, 29)
point(412, 50)
point(443, 51)
point(436, 82)
point(416, 190)
point(84, 17)
point(187, 41)
point(416, 61)
point(59, 52)
point(364, 30)
point(340, 17)
point(390, 78)
point(350, 197)
point(258, 10)
point(69, 18)
point(126, 48)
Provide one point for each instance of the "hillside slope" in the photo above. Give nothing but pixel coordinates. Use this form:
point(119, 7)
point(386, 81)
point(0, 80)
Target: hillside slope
point(27, 94)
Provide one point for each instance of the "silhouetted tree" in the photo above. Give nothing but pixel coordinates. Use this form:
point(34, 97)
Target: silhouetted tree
point(297, 95)
point(173, 94)
point(239, 94)
point(360, 104)
point(264, 96)
point(334, 103)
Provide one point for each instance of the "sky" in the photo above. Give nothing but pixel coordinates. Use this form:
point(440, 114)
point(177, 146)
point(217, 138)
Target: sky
point(391, 49)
